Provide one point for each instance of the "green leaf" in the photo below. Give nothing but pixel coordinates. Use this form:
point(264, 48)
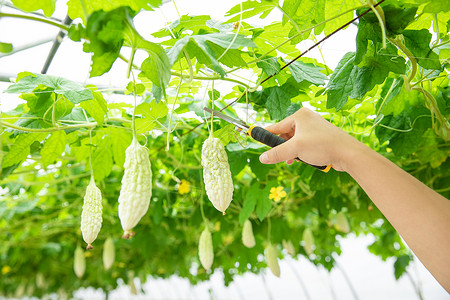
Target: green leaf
point(96, 107)
point(196, 24)
point(120, 140)
point(105, 33)
point(21, 148)
point(250, 9)
point(304, 13)
point(251, 198)
point(5, 47)
point(225, 134)
point(237, 160)
point(272, 36)
point(200, 46)
point(435, 7)
point(374, 69)
point(400, 265)
point(47, 6)
point(396, 98)
point(404, 130)
point(53, 147)
point(102, 160)
point(341, 82)
point(418, 42)
point(76, 9)
point(336, 7)
point(259, 169)
point(429, 151)
point(73, 91)
point(305, 71)
point(264, 204)
point(366, 31)
point(269, 65)
point(263, 207)
point(157, 66)
point(151, 112)
point(278, 101)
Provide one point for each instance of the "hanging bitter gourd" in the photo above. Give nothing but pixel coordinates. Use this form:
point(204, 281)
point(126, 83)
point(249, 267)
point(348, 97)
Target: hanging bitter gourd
point(272, 259)
point(289, 247)
point(91, 215)
point(248, 239)
point(79, 262)
point(342, 223)
point(216, 174)
point(205, 249)
point(308, 240)
point(108, 253)
point(136, 189)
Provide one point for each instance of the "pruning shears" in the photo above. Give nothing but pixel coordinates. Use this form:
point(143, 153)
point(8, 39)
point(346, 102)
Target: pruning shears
point(260, 134)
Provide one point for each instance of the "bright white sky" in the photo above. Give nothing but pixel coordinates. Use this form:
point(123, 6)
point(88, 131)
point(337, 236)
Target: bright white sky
point(371, 278)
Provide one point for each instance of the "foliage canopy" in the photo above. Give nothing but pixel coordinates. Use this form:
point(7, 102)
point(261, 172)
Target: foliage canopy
point(392, 94)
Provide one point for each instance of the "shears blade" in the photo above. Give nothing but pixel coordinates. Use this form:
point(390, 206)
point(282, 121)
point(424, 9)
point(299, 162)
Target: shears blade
point(238, 123)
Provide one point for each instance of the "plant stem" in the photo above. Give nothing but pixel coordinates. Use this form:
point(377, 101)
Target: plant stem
point(234, 38)
point(410, 56)
point(88, 125)
point(294, 24)
point(61, 26)
point(210, 78)
point(378, 11)
point(191, 69)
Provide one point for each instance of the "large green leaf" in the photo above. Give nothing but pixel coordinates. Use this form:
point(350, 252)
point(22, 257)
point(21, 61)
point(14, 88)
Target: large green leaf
point(74, 92)
point(78, 9)
point(157, 66)
point(21, 148)
point(337, 7)
point(306, 71)
point(151, 114)
point(47, 6)
point(200, 46)
point(341, 82)
point(250, 9)
point(418, 42)
point(53, 147)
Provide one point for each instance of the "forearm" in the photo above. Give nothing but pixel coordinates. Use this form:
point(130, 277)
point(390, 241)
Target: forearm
point(420, 215)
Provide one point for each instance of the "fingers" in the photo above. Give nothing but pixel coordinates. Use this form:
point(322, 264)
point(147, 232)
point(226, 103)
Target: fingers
point(284, 126)
point(283, 152)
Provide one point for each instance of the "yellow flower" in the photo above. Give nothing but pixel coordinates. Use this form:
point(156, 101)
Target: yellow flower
point(6, 270)
point(276, 193)
point(184, 187)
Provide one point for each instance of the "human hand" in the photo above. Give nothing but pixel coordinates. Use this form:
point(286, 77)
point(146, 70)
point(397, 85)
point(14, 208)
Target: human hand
point(310, 138)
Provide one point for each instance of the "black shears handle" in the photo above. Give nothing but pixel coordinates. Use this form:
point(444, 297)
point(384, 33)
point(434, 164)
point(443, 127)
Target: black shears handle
point(268, 138)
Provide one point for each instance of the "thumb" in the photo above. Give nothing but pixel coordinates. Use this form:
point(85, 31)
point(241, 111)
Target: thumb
point(283, 152)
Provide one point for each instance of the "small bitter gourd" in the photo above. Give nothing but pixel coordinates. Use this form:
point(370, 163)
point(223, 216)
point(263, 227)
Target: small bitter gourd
point(108, 253)
point(216, 174)
point(136, 189)
point(272, 259)
point(289, 247)
point(342, 223)
point(79, 262)
point(248, 239)
point(205, 249)
point(91, 215)
point(308, 240)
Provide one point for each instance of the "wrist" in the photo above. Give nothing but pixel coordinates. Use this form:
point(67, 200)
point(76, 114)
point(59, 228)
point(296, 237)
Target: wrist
point(352, 155)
